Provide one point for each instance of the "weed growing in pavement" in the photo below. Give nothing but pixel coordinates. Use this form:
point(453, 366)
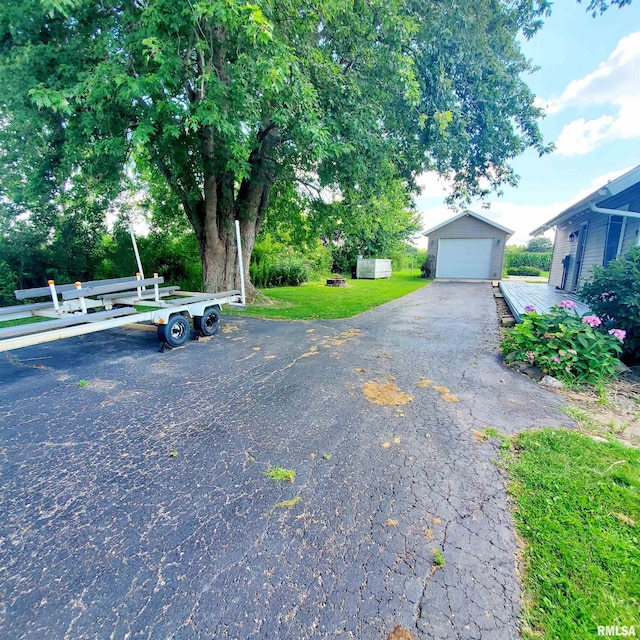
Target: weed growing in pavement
point(83, 383)
point(288, 504)
point(603, 396)
point(438, 558)
point(281, 475)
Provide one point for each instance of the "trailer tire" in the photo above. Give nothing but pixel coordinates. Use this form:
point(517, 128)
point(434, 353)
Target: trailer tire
point(176, 332)
point(208, 323)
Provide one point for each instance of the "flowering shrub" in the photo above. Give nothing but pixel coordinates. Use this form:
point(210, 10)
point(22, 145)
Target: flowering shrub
point(613, 293)
point(565, 345)
point(592, 321)
point(621, 334)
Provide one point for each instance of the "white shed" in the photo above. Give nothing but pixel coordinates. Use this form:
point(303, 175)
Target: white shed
point(372, 268)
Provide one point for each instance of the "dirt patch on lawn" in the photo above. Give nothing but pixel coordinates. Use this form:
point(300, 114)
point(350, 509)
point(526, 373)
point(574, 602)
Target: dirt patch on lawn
point(614, 413)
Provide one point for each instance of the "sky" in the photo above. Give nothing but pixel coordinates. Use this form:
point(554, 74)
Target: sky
point(589, 84)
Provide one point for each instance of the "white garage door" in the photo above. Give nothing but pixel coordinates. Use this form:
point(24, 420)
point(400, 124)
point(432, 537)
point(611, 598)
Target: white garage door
point(468, 258)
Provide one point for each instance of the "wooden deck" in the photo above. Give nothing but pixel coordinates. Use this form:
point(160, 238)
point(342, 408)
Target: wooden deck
point(542, 296)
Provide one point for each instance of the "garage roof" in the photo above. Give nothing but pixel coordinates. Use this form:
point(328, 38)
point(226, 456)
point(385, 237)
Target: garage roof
point(469, 213)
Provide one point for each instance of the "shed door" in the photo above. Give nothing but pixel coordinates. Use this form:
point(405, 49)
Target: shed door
point(464, 258)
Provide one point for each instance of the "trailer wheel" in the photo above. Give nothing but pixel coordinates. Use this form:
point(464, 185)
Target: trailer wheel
point(207, 324)
point(176, 332)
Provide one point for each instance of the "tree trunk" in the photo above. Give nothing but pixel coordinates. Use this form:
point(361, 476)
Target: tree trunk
point(223, 202)
point(223, 205)
point(216, 231)
point(220, 270)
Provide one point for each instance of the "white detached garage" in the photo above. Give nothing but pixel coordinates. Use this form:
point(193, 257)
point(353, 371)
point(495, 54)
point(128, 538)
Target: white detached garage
point(467, 247)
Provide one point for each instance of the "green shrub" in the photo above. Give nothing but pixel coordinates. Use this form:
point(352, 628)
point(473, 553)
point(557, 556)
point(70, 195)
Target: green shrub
point(571, 348)
point(276, 264)
point(541, 261)
point(8, 284)
point(427, 270)
point(319, 258)
point(289, 271)
point(407, 256)
point(523, 271)
point(613, 293)
point(280, 271)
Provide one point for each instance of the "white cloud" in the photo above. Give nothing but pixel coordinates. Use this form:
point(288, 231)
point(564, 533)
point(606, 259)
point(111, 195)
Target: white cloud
point(433, 185)
point(600, 181)
point(614, 86)
point(613, 80)
point(581, 136)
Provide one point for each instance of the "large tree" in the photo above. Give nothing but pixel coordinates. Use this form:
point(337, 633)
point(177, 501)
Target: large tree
point(220, 99)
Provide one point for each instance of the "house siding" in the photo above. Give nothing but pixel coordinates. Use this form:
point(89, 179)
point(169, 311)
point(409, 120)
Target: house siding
point(631, 234)
point(594, 250)
point(469, 227)
point(621, 195)
point(561, 248)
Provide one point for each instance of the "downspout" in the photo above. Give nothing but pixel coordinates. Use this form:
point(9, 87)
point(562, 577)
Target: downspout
point(614, 212)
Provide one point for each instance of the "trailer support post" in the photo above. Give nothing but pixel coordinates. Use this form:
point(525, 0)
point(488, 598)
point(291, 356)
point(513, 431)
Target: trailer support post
point(54, 295)
point(240, 263)
point(83, 304)
point(135, 250)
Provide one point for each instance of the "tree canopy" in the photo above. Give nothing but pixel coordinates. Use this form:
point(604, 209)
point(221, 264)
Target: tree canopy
point(540, 245)
point(216, 101)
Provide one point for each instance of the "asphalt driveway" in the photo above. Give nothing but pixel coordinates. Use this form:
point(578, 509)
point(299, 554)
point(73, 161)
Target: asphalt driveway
point(136, 505)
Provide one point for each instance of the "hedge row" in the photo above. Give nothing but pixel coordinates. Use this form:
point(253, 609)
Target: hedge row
point(541, 261)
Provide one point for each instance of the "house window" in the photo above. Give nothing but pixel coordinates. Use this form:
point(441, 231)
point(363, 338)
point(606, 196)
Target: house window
point(612, 243)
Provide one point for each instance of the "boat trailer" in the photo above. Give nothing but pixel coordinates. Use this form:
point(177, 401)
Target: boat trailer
point(80, 308)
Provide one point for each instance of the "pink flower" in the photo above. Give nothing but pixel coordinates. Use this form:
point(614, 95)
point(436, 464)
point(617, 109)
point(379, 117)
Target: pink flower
point(567, 304)
point(592, 321)
point(555, 359)
point(529, 308)
point(567, 368)
point(531, 356)
point(621, 334)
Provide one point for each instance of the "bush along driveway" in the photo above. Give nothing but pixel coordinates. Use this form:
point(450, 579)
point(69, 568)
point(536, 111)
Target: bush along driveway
point(279, 480)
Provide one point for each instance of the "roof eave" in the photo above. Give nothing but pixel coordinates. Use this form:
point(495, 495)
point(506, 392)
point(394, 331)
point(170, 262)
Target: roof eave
point(612, 188)
point(509, 232)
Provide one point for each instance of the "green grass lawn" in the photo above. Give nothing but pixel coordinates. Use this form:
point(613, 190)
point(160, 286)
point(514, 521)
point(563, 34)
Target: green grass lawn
point(578, 510)
point(316, 301)
point(543, 274)
point(20, 321)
